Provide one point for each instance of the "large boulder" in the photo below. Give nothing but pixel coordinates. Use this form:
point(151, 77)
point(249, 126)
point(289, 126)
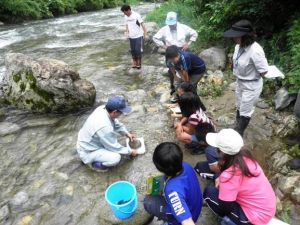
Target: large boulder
point(45, 85)
point(282, 99)
point(214, 57)
point(152, 28)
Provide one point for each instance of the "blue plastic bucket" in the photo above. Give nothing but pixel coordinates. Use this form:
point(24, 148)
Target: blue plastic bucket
point(122, 198)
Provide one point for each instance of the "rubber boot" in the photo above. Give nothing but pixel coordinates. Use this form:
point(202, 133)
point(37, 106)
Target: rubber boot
point(242, 123)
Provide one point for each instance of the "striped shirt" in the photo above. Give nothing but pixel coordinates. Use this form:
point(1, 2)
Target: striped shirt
point(199, 117)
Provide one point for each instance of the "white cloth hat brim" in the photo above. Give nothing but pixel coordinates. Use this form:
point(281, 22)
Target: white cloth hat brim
point(211, 139)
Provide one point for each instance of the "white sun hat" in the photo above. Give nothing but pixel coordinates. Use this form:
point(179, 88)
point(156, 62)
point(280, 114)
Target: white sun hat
point(227, 140)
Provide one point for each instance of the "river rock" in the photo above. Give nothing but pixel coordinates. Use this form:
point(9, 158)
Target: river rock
point(1, 23)
point(152, 28)
point(288, 184)
point(19, 199)
point(288, 126)
point(214, 57)
point(297, 106)
point(45, 85)
point(225, 121)
point(4, 213)
point(282, 99)
point(232, 86)
point(279, 160)
point(262, 104)
point(7, 128)
point(136, 96)
point(2, 114)
point(296, 193)
point(216, 77)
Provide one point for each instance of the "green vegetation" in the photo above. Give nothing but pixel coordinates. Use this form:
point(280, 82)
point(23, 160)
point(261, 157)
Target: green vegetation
point(14, 11)
point(277, 24)
point(293, 151)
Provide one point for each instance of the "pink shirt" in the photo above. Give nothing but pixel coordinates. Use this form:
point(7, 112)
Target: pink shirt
point(254, 194)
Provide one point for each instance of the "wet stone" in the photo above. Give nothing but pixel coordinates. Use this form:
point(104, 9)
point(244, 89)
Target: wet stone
point(19, 199)
point(4, 213)
point(7, 128)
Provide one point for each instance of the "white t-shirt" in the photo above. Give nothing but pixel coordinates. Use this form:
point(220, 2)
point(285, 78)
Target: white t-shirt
point(134, 23)
point(250, 62)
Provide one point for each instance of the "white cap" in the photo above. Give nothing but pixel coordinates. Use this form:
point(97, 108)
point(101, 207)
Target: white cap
point(171, 18)
point(227, 140)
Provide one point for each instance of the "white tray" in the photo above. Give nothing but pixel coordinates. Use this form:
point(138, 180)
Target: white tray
point(141, 150)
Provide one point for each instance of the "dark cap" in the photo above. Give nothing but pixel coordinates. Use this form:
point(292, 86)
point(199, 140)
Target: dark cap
point(239, 29)
point(118, 103)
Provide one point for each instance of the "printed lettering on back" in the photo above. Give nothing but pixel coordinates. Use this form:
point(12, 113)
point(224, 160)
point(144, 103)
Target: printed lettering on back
point(176, 203)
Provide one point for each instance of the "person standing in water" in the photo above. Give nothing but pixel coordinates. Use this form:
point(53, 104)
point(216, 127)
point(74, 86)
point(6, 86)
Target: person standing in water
point(136, 32)
point(249, 67)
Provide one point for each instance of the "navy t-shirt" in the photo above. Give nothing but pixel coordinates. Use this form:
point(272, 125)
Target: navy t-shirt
point(183, 195)
point(191, 63)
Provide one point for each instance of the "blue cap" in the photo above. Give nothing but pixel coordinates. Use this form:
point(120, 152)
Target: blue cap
point(118, 103)
point(171, 18)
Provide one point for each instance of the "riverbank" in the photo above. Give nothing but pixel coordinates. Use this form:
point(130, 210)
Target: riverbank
point(268, 128)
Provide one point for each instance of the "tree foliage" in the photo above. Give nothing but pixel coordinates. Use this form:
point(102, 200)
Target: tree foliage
point(13, 11)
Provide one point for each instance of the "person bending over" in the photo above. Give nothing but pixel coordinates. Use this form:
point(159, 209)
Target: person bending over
point(181, 202)
point(97, 143)
point(190, 67)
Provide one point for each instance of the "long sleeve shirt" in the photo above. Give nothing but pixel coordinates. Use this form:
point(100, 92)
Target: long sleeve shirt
point(178, 37)
point(101, 132)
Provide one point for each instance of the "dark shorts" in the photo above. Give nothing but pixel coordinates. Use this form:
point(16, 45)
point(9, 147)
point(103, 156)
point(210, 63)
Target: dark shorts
point(237, 215)
point(157, 206)
point(136, 46)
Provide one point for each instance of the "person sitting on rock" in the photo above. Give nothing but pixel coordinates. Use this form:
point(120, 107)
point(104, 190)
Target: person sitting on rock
point(193, 114)
point(181, 202)
point(211, 165)
point(242, 193)
point(97, 143)
point(190, 67)
point(174, 33)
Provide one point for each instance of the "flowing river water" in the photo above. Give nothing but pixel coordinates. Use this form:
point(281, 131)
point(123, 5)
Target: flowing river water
point(42, 179)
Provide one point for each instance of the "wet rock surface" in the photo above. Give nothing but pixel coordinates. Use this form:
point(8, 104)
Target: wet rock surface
point(45, 85)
